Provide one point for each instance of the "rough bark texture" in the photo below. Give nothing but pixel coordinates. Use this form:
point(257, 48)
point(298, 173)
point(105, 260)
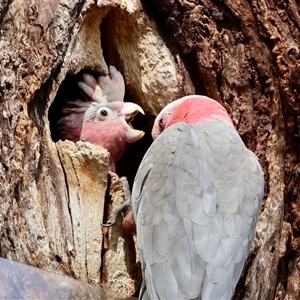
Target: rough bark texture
point(244, 54)
point(247, 57)
point(52, 194)
point(85, 169)
point(121, 271)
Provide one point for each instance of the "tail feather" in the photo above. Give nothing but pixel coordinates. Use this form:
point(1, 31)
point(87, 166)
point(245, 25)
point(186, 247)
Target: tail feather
point(143, 292)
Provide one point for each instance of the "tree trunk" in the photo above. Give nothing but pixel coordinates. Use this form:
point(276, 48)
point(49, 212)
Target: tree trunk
point(53, 192)
point(244, 54)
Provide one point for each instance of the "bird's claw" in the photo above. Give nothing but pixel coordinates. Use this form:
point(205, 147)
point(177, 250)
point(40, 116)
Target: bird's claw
point(124, 207)
point(108, 224)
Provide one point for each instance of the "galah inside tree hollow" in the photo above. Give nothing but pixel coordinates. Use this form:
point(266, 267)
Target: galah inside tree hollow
point(196, 199)
point(104, 119)
point(109, 88)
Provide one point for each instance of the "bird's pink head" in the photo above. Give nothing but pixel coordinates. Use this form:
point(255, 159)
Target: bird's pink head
point(192, 110)
point(104, 124)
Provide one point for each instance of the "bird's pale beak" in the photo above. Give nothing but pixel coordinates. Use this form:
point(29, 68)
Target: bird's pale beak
point(130, 110)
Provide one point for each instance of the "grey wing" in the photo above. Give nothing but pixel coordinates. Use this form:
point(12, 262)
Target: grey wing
point(196, 199)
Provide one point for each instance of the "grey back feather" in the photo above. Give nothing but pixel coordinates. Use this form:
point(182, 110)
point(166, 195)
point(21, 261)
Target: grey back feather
point(196, 199)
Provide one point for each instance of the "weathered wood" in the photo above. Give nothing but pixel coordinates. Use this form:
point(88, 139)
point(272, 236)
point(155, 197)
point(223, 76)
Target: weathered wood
point(85, 170)
point(52, 194)
point(121, 270)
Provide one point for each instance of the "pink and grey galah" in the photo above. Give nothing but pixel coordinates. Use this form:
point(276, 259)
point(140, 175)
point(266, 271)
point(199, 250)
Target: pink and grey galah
point(104, 119)
point(196, 199)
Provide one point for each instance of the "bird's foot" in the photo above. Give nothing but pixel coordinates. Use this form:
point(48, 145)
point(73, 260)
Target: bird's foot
point(124, 207)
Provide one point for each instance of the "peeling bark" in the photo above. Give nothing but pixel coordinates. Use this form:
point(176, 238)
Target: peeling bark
point(85, 170)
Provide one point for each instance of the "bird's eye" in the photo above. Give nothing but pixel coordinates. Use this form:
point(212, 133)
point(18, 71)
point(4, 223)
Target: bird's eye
point(162, 123)
point(103, 112)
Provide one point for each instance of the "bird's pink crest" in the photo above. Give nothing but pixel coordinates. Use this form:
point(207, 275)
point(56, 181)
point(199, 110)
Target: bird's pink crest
point(198, 109)
point(190, 109)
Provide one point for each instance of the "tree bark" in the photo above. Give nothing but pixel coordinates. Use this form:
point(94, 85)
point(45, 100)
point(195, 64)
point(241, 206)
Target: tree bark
point(53, 192)
point(244, 54)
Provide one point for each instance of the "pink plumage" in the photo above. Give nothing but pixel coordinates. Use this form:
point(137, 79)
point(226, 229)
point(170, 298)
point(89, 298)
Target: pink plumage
point(104, 120)
point(191, 110)
point(198, 109)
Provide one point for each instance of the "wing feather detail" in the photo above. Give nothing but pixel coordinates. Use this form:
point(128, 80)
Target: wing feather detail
point(196, 199)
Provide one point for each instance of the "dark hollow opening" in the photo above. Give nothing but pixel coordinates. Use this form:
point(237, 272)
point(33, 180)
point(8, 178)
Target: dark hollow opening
point(68, 91)
point(129, 162)
point(131, 159)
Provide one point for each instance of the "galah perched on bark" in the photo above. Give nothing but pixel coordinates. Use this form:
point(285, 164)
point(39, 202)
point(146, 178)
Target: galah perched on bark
point(196, 199)
point(104, 119)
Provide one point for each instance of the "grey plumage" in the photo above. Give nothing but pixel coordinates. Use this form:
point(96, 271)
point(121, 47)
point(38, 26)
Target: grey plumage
point(196, 200)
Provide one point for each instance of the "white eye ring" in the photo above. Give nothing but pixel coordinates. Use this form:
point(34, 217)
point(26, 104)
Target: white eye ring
point(103, 113)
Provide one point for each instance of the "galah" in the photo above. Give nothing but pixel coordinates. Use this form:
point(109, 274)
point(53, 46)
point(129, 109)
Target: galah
point(196, 199)
point(104, 119)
